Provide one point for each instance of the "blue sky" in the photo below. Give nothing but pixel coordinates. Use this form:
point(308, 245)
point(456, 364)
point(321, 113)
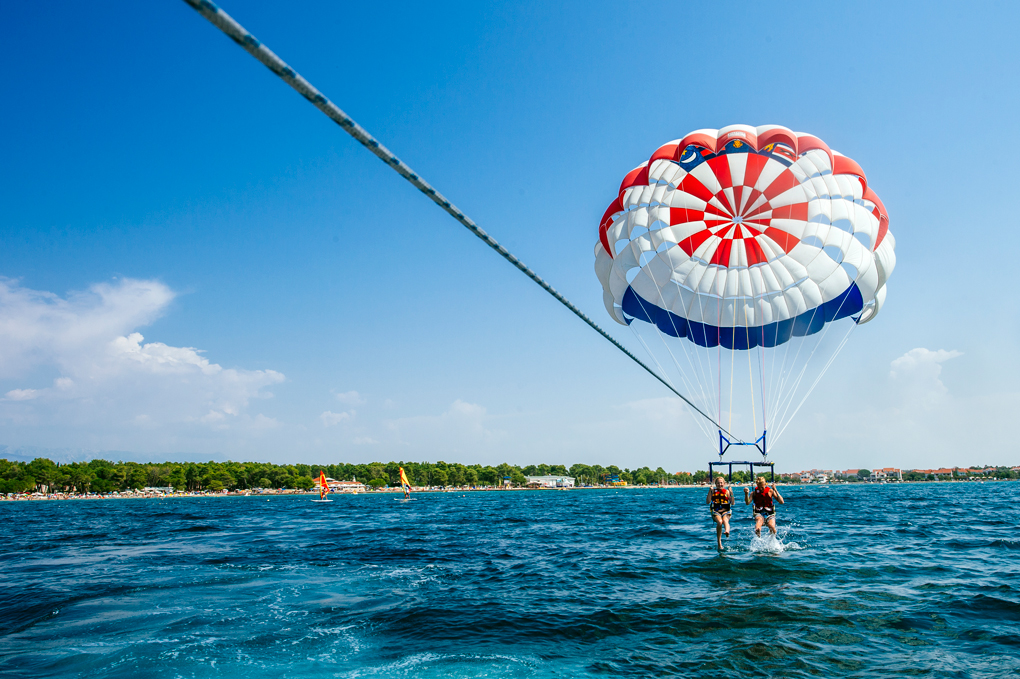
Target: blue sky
point(297, 300)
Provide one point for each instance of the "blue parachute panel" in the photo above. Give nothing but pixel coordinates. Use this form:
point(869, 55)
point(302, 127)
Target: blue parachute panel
point(846, 304)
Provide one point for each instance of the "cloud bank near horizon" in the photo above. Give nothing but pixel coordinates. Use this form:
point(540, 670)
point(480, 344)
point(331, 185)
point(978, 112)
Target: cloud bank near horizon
point(77, 372)
point(78, 362)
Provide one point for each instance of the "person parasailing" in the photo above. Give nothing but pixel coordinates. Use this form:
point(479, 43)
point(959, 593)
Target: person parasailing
point(764, 498)
point(720, 498)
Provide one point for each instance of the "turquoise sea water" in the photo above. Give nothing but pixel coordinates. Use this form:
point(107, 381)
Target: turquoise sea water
point(917, 580)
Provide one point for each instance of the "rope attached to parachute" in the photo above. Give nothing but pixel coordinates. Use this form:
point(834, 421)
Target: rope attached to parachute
point(251, 44)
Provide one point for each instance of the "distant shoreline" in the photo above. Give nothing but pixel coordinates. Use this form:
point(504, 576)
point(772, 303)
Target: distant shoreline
point(141, 495)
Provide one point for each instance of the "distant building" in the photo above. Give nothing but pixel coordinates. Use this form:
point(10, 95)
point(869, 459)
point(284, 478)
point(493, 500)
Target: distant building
point(886, 473)
point(354, 486)
point(550, 481)
point(937, 473)
point(816, 476)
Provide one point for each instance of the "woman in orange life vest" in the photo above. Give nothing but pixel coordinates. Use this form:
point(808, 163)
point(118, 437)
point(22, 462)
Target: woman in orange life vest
point(764, 509)
point(721, 500)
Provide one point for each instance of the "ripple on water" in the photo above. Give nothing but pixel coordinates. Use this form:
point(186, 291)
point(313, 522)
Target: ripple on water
point(861, 581)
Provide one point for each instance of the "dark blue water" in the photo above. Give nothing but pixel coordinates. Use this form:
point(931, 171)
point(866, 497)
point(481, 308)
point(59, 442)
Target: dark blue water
point(916, 580)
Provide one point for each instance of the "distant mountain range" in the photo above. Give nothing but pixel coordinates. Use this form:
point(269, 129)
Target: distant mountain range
point(65, 455)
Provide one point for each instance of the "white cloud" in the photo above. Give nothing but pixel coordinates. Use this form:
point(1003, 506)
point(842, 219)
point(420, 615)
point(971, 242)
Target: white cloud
point(912, 419)
point(463, 429)
point(921, 357)
point(261, 421)
point(41, 328)
point(157, 357)
point(917, 374)
point(21, 394)
point(364, 441)
point(109, 378)
point(467, 410)
point(351, 398)
point(330, 418)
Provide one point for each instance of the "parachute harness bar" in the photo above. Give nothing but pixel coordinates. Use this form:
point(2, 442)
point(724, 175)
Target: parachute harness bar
point(760, 444)
point(251, 44)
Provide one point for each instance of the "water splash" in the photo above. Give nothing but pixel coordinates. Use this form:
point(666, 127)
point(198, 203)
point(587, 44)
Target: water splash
point(769, 543)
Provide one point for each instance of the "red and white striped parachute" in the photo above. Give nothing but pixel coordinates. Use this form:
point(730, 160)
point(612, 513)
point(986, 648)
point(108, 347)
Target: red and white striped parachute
point(743, 238)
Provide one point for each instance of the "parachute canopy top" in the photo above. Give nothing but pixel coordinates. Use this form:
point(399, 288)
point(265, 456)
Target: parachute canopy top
point(737, 236)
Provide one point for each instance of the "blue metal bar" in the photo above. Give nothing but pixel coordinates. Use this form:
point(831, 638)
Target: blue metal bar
point(759, 443)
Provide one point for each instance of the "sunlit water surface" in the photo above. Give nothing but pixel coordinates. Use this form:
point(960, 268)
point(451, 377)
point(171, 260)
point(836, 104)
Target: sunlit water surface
point(917, 580)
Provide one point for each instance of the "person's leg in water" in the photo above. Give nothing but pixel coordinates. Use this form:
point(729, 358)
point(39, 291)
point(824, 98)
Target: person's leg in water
point(726, 523)
point(772, 524)
point(758, 521)
point(718, 529)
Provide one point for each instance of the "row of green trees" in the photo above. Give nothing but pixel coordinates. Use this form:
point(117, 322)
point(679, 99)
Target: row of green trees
point(102, 476)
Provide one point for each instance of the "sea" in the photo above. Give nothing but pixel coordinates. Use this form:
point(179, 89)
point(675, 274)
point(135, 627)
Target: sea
point(913, 580)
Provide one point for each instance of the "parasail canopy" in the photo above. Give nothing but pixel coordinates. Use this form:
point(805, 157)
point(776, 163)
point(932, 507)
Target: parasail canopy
point(746, 238)
point(743, 237)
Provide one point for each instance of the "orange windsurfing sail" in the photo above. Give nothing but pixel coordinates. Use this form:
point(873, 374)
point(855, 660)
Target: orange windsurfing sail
point(323, 486)
point(404, 483)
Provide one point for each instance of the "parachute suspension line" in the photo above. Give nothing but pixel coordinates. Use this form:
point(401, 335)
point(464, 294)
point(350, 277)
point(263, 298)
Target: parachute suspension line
point(718, 370)
point(706, 377)
point(789, 393)
point(839, 348)
point(787, 396)
point(700, 372)
point(683, 377)
point(697, 373)
point(733, 356)
point(773, 380)
point(718, 345)
point(825, 368)
point(701, 425)
point(251, 44)
point(761, 379)
point(784, 394)
point(792, 394)
point(750, 382)
point(704, 370)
